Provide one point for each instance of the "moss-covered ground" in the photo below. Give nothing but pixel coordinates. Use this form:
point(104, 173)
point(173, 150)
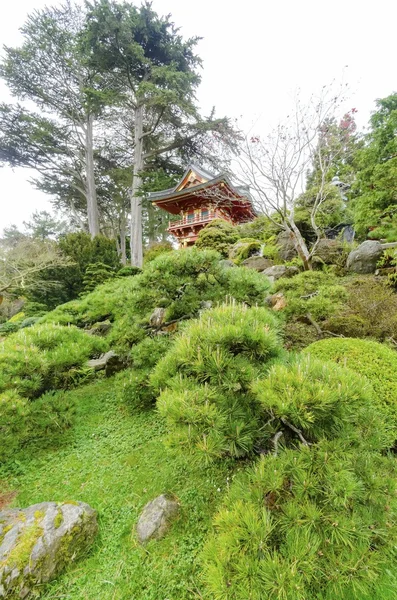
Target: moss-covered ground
point(116, 461)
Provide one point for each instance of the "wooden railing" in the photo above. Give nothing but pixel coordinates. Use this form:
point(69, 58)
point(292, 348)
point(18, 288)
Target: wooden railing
point(193, 220)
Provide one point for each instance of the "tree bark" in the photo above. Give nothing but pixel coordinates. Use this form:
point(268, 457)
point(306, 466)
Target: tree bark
point(300, 246)
point(123, 247)
point(136, 201)
point(92, 204)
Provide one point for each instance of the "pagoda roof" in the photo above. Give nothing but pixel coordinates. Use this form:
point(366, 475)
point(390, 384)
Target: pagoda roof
point(195, 180)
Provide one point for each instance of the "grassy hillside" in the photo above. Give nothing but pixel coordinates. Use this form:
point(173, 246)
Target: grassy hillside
point(116, 461)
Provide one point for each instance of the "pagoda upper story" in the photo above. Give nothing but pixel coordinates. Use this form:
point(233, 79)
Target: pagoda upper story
point(199, 198)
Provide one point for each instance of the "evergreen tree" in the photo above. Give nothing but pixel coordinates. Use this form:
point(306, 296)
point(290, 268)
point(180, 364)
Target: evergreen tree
point(157, 70)
point(375, 205)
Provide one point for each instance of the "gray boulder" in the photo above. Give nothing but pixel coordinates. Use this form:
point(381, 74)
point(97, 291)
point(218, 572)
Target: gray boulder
point(155, 518)
point(286, 247)
point(110, 362)
point(278, 271)
point(259, 263)
point(38, 542)
point(365, 257)
point(328, 252)
point(227, 264)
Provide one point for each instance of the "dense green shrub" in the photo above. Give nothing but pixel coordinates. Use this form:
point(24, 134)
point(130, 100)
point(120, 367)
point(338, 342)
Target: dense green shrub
point(206, 376)
point(308, 399)
point(66, 283)
point(178, 281)
point(128, 270)
point(23, 421)
point(95, 274)
point(155, 250)
point(313, 292)
point(376, 362)
point(45, 357)
point(367, 296)
point(133, 385)
point(318, 523)
point(218, 235)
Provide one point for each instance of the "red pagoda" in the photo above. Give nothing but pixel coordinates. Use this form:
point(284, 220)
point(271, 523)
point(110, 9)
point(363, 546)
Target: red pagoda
point(199, 198)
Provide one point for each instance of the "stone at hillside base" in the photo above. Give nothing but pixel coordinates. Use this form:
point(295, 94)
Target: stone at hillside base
point(227, 264)
point(278, 271)
point(276, 301)
point(259, 263)
point(364, 258)
point(110, 362)
point(155, 518)
point(286, 246)
point(157, 317)
point(328, 252)
point(38, 542)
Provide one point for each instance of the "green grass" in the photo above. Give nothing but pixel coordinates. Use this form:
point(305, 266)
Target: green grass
point(116, 461)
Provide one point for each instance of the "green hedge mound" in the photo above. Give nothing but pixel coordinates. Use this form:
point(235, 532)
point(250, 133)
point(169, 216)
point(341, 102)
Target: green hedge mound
point(375, 361)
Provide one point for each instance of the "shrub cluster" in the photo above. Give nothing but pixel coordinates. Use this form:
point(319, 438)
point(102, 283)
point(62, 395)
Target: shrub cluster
point(33, 361)
point(218, 235)
point(206, 376)
point(308, 524)
point(375, 361)
point(46, 357)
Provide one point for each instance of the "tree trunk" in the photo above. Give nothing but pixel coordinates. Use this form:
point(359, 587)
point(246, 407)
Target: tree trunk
point(92, 204)
point(123, 247)
point(300, 246)
point(136, 201)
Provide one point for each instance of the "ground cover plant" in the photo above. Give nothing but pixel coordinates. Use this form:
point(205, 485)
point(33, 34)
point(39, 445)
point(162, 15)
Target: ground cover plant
point(372, 360)
point(115, 460)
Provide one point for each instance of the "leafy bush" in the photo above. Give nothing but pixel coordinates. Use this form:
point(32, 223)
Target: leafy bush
point(95, 274)
point(45, 357)
point(376, 362)
point(308, 400)
point(218, 235)
point(68, 282)
point(206, 376)
point(304, 525)
point(23, 422)
point(313, 292)
point(128, 271)
point(133, 385)
point(178, 281)
point(8, 327)
point(155, 250)
point(366, 296)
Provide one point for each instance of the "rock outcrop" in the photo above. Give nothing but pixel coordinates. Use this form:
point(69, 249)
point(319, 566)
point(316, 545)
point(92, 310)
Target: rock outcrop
point(277, 271)
point(37, 542)
point(155, 518)
point(259, 263)
point(364, 258)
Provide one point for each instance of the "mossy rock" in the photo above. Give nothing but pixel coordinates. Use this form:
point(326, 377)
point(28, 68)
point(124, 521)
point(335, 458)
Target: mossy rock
point(38, 542)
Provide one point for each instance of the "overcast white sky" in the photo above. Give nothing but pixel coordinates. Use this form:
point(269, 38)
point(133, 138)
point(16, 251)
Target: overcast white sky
point(255, 54)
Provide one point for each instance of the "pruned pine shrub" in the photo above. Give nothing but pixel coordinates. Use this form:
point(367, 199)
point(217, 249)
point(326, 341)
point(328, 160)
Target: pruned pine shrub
point(133, 385)
point(178, 281)
point(372, 360)
point(205, 380)
point(45, 357)
point(25, 422)
point(218, 235)
point(313, 292)
point(307, 400)
point(318, 523)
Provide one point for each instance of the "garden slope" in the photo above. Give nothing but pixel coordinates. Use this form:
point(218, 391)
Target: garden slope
point(116, 461)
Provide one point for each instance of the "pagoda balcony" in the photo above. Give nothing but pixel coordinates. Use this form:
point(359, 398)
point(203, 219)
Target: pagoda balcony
point(187, 221)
